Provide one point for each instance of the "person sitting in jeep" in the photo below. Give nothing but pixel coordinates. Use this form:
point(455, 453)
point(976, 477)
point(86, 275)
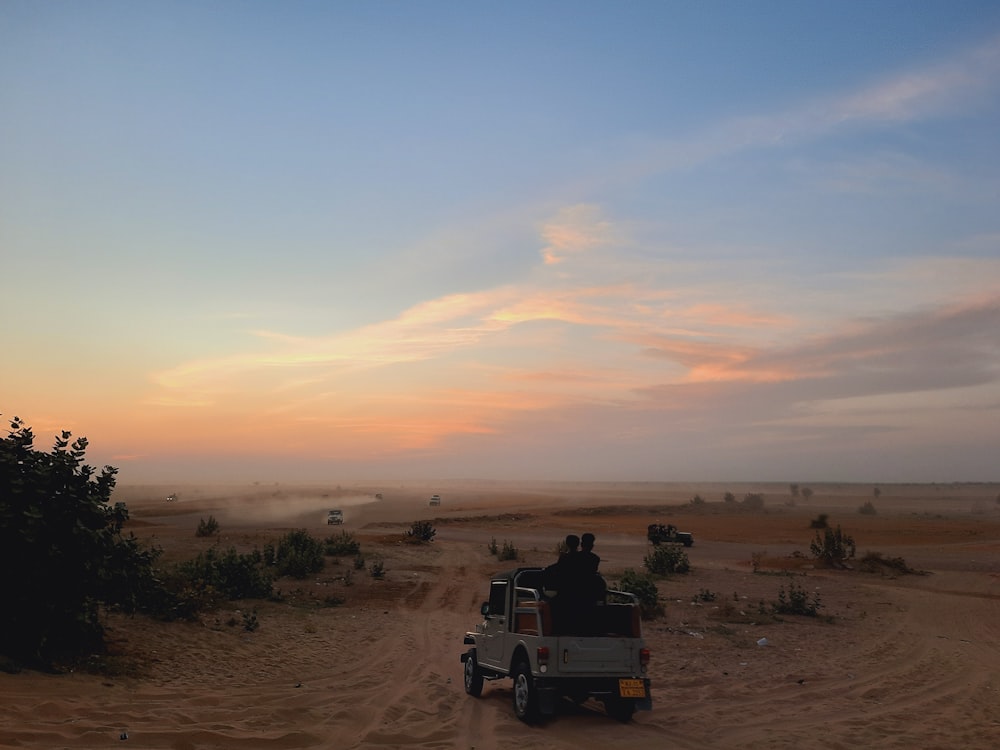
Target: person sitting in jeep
point(577, 588)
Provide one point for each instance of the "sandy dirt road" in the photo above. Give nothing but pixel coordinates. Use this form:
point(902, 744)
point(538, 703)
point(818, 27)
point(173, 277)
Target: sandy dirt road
point(905, 662)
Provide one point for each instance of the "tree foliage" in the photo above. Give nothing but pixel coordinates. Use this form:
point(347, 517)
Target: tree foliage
point(62, 553)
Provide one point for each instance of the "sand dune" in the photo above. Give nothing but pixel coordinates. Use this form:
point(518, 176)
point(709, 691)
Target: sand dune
point(908, 662)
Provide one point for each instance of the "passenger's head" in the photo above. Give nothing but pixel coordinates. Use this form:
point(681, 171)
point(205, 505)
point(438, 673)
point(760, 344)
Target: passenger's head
point(587, 542)
point(572, 542)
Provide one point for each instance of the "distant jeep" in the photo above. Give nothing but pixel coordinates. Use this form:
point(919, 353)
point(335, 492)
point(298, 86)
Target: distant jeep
point(435, 500)
point(659, 533)
point(335, 517)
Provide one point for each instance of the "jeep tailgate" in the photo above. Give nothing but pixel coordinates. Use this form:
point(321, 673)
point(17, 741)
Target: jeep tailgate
point(603, 655)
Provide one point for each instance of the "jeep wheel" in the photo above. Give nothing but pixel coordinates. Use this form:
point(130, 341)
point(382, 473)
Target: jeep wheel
point(525, 698)
point(473, 677)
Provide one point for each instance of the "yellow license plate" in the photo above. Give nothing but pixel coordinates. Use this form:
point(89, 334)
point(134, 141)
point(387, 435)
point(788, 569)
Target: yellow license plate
point(631, 688)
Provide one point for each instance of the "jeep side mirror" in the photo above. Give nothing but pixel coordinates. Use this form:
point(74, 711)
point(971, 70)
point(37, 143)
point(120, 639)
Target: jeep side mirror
point(484, 610)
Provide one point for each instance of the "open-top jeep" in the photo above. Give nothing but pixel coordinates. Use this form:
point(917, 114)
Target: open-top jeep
point(589, 648)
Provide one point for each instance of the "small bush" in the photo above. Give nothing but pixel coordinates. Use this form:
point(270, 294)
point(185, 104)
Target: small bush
point(230, 574)
point(341, 544)
point(377, 569)
point(250, 622)
point(507, 552)
point(833, 548)
point(868, 509)
point(729, 497)
point(359, 562)
point(643, 586)
point(704, 595)
point(697, 500)
point(796, 601)
point(666, 559)
point(422, 531)
point(753, 501)
point(298, 555)
point(207, 528)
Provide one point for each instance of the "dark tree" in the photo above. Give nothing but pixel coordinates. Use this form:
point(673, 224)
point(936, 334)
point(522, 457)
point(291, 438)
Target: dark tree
point(62, 554)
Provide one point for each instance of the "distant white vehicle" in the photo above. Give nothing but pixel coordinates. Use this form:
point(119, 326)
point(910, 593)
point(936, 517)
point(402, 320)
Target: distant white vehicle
point(172, 497)
point(435, 500)
point(335, 517)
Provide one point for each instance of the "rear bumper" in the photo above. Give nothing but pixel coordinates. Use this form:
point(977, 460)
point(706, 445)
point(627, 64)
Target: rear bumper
point(579, 688)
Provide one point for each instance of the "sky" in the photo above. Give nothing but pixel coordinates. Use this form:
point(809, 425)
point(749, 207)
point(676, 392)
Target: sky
point(649, 241)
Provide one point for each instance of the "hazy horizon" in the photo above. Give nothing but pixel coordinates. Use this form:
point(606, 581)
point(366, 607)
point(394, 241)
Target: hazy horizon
point(651, 241)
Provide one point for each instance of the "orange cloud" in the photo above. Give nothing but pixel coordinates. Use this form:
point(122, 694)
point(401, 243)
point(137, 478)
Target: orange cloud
point(573, 230)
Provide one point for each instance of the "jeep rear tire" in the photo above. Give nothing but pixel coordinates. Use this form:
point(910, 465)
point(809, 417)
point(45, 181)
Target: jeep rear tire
point(473, 676)
point(525, 695)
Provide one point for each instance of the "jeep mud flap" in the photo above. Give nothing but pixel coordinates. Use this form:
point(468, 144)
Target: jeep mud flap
point(547, 697)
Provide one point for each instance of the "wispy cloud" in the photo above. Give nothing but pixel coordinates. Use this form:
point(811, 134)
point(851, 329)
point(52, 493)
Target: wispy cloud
point(944, 88)
point(574, 230)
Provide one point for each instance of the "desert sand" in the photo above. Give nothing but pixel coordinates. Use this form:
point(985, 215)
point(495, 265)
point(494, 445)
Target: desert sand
point(904, 661)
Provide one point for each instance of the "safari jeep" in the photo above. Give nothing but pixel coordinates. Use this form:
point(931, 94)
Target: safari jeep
point(552, 651)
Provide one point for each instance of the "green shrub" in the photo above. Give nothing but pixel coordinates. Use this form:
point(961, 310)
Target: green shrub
point(833, 548)
point(729, 497)
point(753, 501)
point(299, 555)
point(341, 544)
point(422, 531)
point(250, 622)
point(377, 568)
point(666, 559)
point(796, 601)
point(207, 528)
point(230, 574)
point(868, 509)
point(643, 586)
point(704, 595)
point(507, 552)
